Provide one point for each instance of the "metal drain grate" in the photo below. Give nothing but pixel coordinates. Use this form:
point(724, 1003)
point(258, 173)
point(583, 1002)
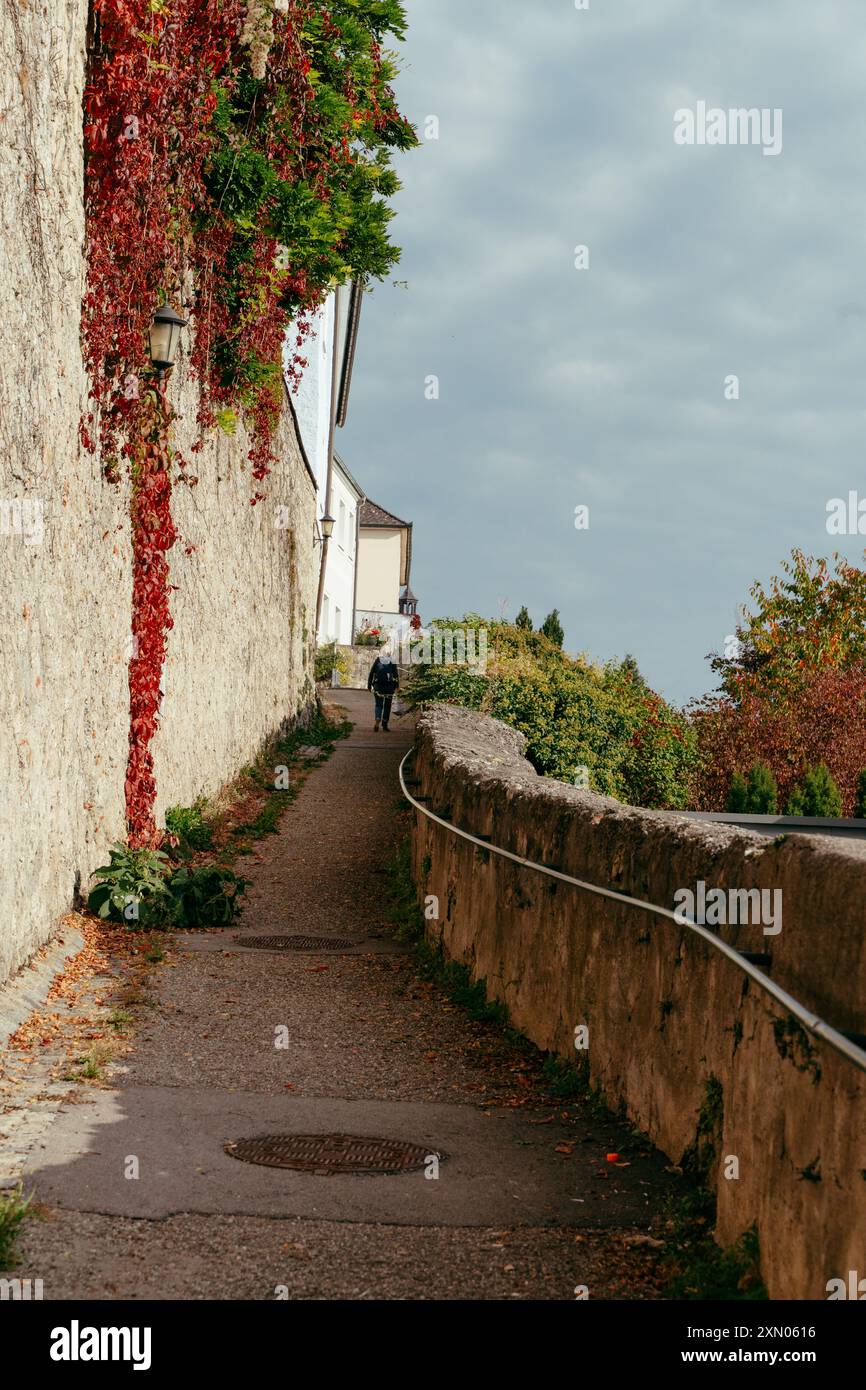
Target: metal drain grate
point(324, 1154)
point(296, 943)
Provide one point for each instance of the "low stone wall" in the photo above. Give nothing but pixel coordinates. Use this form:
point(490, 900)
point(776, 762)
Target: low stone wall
point(700, 1058)
point(360, 660)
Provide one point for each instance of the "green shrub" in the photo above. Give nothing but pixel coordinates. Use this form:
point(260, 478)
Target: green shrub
point(818, 796)
point(860, 797)
point(187, 825)
point(574, 715)
point(140, 889)
point(523, 619)
point(329, 658)
point(207, 896)
point(131, 888)
point(14, 1207)
point(738, 796)
point(763, 793)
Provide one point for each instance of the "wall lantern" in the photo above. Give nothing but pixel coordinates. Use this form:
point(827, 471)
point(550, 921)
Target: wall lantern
point(327, 525)
point(165, 337)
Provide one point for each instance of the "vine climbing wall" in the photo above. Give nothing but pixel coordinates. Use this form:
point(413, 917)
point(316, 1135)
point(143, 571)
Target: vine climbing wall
point(238, 654)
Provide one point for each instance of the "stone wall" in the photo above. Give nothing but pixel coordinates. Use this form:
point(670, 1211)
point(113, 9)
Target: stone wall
point(677, 1034)
point(360, 659)
point(239, 655)
point(241, 651)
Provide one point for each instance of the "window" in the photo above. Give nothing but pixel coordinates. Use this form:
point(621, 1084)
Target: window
point(338, 618)
point(341, 528)
point(326, 608)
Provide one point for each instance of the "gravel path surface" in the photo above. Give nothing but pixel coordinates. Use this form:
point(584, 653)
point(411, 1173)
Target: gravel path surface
point(359, 1027)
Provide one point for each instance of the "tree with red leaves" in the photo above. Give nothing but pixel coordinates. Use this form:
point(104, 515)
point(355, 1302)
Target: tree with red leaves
point(794, 691)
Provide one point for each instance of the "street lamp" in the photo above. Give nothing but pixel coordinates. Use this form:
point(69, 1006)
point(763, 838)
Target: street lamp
point(165, 337)
point(327, 524)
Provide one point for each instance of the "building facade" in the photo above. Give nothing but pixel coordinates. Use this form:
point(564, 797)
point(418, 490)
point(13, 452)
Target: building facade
point(384, 598)
point(338, 600)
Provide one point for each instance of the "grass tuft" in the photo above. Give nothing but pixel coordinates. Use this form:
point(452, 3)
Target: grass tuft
point(14, 1207)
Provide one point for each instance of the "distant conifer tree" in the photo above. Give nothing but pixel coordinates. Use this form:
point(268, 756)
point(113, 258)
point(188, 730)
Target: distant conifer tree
point(552, 628)
point(818, 796)
point(738, 796)
point(762, 792)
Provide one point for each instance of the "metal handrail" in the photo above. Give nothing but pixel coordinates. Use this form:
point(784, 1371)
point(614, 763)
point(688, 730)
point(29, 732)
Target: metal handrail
point(810, 1021)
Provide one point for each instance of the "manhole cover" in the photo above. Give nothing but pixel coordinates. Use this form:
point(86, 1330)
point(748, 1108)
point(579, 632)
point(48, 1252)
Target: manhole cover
point(296, 943)
point(324, 1154)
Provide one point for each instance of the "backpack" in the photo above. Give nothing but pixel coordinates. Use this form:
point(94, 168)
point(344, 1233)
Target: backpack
point(386, 679)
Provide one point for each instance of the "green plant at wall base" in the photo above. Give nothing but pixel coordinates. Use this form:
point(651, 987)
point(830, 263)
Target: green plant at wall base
point(330, 658)
point(187, 825)
point(208, 896)
point(119, 1018)
point(319, 733)
point(698, 1269)
point(140, 889)
point(131, 888)
point(454, 979)
point(406, 914)
point(267, 822)
point(565, 1080)
point(702, 1154)
point(14, 1207)
point(860, 800)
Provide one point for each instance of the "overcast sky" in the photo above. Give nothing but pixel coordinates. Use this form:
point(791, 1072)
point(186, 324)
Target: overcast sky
point(606, 387)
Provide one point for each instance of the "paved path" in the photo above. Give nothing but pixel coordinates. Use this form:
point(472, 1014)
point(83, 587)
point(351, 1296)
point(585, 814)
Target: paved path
point(525, 1205)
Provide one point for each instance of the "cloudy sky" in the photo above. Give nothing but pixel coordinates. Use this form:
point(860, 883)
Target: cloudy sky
point(605, 387)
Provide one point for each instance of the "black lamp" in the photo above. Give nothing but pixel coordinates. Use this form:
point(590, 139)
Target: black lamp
point(165, 337)
point(327, 525)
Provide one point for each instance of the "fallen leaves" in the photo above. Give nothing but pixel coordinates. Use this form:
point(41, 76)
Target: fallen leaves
point(637, 1241)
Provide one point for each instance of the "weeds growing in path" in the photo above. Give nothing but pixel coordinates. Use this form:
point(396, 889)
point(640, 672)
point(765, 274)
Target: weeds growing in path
point(14, 1207)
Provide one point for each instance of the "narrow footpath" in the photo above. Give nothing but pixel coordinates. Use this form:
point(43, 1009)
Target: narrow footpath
point(519, 1194)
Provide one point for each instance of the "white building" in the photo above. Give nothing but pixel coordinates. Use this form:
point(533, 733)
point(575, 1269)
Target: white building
point(383, 597)
point(365, 581)
point(338, 600)
point(320, 402)
point(311, 399)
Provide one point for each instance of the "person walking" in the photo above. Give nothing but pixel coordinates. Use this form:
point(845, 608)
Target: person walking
point(384, 681)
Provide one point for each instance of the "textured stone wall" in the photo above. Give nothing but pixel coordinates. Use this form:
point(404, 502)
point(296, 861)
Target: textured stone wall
point(677, 1034)
point(64, 590)
point(360, 659)
point(239, 654)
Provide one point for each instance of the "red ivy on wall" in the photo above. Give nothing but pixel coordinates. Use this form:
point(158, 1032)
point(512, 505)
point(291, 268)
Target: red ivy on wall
point(236, 165)
point(153, 535)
